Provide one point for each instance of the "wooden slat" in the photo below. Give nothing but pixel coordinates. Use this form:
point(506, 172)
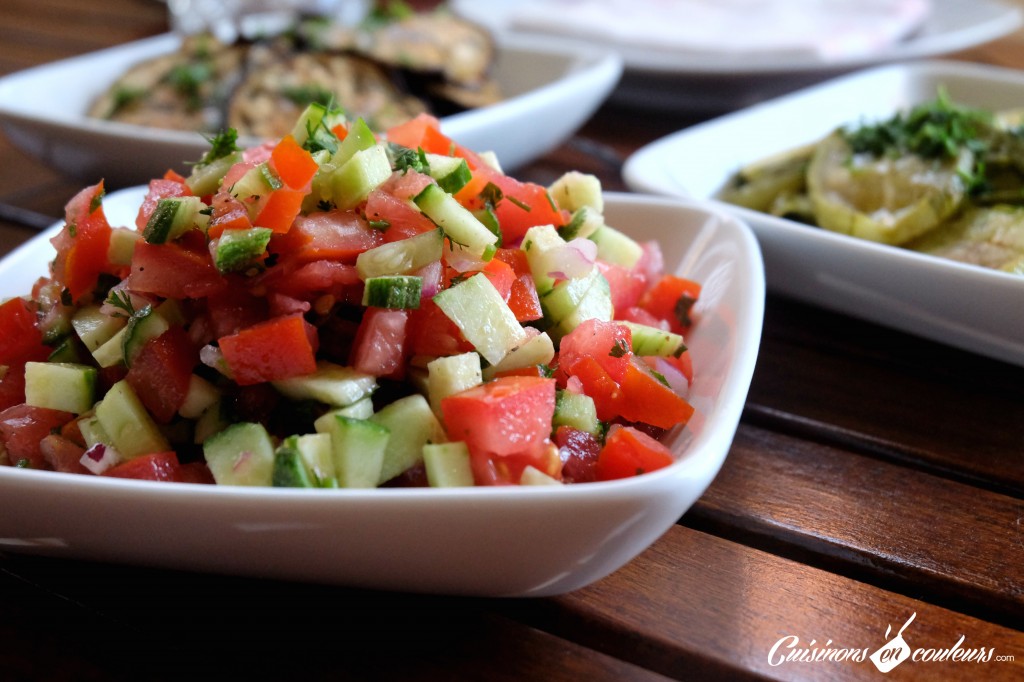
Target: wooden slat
point(895, 395)
point(951, 543)
point(698, 607)
point(155, 625)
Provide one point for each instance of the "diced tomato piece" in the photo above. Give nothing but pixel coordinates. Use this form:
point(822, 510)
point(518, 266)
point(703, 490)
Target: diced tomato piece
point(492, 469)
point(628, 452)
point(62, 454)
point(395, 217)
point(379, 348)
point(334, 235)
point(293, 164)
point(23, 427)
point(648, 400)
point(608, 343)
point(173, 271)
point(503, 416)
point(232, 309)
point(195, 472)
point(156, 466)
point(626, 285)
point(83, 245)
point(599, 385)
point(670, 298)
point(578, 451)
point(313, 279)
point(162, 371)
point(501, 276)
point(228, 214)
point(523, 204)
point(20, 339)
point(279, 348)
point(160, 188)
point(423, 132)
point(280, 209)
point(431, 332)
point(523, 299)
point(12, 385)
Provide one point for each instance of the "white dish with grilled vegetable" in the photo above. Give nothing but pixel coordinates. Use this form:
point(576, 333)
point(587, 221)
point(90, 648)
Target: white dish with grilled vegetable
point(43, 110)
point(961, 304)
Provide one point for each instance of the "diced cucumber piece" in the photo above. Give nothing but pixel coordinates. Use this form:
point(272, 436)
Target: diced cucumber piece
point(483, 316)
point(459, 224)
point(361, 409)
point(67, 350)
point(205, 178)
point(616, 248)
point(201, 395)
point(596, 304)
point(450, 374)
point(393, 291)
point(314, 125)
point(111, 352)
point(60, 386)
point(412, 425)
point(95, 328)
point(537, 244)
point(576, 410)
point(574, 190)
point(173, 217)
point(242, 454)
point(210, 422)
point(144, 325)
point(648, 340)
point(451, 172)
point(358, 447)
point(562, 300)
point(315, 450)
point(122, 245)
point(331, 383)
point(358, 139)
point(349, 184)
point(539, 349)
point(402, 256)
point(123, 418)
point(447, 465)
point(585, 221)
point(257, 182)
point(237, 249)
point(290, 470)
point(533, 476)
point(93, 432)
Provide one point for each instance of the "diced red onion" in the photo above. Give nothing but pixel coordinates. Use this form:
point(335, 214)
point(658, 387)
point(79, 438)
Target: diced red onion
point(574, 259)
point(99, 458)
point(431, 275)
point(673, 376)
point(212, 356)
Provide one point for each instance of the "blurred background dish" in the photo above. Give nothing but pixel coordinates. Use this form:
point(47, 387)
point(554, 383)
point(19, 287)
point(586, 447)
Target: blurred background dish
point(699, 80)
point(968, 306)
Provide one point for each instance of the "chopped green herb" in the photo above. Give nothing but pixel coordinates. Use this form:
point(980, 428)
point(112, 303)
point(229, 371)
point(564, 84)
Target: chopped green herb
point(619, 350)
point(122, 301)
point(222, 144)
point(404, 159)
point(381, 225)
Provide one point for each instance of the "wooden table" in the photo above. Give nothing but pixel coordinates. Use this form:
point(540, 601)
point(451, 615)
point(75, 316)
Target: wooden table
point(875, 475)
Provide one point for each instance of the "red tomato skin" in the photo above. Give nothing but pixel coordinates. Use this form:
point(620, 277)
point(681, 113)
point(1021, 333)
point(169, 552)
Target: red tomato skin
point(493, 469)
point(83, 244)
point(380, 345)
point(279, 348)
point(20, 339)
point(669, 296)
point(23, 427)
point(505, 416)
point(423, 132)
point(156, 466)
point(608, 343)
point(162, 371)
point(431, 332)
point(334, 235)
point(649, 401)
point(628, 452)
point(63, 455)
point(173, 271)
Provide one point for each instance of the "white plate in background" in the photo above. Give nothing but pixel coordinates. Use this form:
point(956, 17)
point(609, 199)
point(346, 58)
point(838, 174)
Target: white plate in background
point(971, 307)
point(505, 541)
point(550, 92)
point(665, 78)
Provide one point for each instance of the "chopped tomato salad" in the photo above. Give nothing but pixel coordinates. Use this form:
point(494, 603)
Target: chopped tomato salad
point(348, 309)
